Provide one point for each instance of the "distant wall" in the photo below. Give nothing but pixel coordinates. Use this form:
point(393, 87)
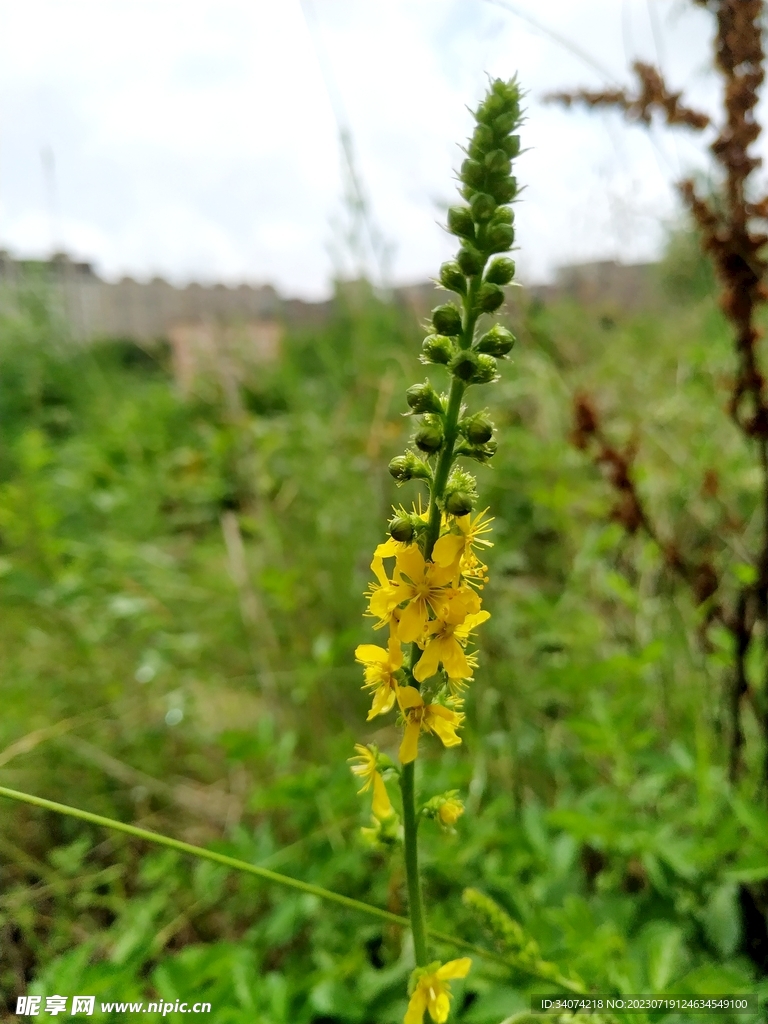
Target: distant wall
point(147, 312)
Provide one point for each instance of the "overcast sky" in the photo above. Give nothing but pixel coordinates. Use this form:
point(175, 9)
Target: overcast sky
point(199, 139)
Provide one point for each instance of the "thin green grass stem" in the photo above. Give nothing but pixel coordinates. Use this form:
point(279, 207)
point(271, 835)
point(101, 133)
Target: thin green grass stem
point(273, 876)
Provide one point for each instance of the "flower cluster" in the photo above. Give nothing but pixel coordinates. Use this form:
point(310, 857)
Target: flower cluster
point(435, 606)
point(429, 574)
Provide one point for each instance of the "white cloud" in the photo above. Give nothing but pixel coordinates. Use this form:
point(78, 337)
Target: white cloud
point(197, 139)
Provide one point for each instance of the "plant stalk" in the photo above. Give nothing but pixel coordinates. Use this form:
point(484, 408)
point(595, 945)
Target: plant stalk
point(410, 831)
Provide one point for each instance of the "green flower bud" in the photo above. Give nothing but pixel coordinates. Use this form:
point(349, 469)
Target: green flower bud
point(401, 528)
point(507, 122)
point(511, 146)
point(446, 320)
point(470, 261)
point(472, 173)
point(492, 107)
point(503, 215)
point(503, 189)
point(429, 437)
point(409, 467)
point(497, 342)
point(501, 271)
point(499, 237)
point(498, 162)
point(436, 348)
point(459, 503)
point(482, 142)
point(464, 364)
point(485, 370)
point(489, 297)
point(423, 397)
point(479, 452)
point(460, 222)
point(483, 207)
point(452, 278)
point(477, 429)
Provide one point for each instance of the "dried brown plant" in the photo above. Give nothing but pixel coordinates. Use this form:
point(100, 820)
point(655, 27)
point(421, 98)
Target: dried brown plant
point(729, 228)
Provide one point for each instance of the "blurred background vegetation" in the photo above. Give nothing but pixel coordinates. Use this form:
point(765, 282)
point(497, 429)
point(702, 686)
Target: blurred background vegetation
point(181, 582)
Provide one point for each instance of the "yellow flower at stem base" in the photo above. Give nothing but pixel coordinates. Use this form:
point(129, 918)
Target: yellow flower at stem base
point(380, 669)
point(433, 993)
point(421, 717)
point(366, 769)
point(450, 812)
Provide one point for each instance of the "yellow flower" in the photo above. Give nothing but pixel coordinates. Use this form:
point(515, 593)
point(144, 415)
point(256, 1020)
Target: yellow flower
point(380, 669)
point(422, 585)
point(384, 596)
point(421, 717)
point(452, 546)
point(450, 811)
point(446, 646)
point(433, 994)
point(365, 769)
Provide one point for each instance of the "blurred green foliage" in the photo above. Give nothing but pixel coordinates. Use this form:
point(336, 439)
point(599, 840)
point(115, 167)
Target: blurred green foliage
point(157, 670)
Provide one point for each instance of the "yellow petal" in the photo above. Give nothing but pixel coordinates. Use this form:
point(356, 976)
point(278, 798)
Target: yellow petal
point(439, 1007)
point(446, 730)
point(370, 654)
point(409, 748)
point(395, 654)
point(428, 662)
point(416, 1007)
point(447, 549)
point(382, 806)
point(455, 968)
point(453, 659)
point(412, 621)
point(383, 700)
point(409, 697)
point(411, 562)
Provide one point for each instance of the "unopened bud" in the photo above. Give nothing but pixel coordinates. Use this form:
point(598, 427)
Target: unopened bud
point(489, 297)
point(485, 370)
point(423, 397)
point(477, 429)
point(507, 122)
point(470, 261)
point(452, 278)
point(482, 142)
point(497, 342)
point(460, 222)
point(464, 364)
point(499, 237)
point(436, 348)
point(501, 271)
point(459, 503)
point(483, 207)
point(401, 528)
point(497, 162)
point(472, 173)
point(446, 320)
point(429, 437)
point(511, 146)
point(409, 467)
point(503, 189)
point(478, 452)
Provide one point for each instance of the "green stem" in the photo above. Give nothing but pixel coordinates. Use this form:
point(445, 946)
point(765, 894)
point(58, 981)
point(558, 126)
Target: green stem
point(410, 833)
point(451, 425)
point(273, 876)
